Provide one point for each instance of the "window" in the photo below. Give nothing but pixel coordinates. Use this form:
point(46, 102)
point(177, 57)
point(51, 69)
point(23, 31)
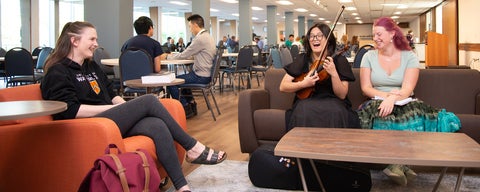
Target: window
point(46, 25)
point(11, 24)
point(69, 10)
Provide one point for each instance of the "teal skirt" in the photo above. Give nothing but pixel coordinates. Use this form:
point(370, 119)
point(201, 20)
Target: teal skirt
point(414, 116)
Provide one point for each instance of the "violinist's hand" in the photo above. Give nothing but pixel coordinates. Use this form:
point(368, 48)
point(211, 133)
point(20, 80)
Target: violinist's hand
point(310, 79)
point(329, 65)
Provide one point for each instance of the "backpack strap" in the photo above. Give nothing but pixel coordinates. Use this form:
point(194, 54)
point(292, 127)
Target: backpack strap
point(120, 172)
point(146, 166)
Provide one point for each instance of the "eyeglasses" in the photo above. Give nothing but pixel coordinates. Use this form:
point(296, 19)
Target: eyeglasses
point(317, 36)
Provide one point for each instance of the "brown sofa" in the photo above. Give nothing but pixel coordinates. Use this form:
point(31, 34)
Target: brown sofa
point(261, 112)
point(39, 154)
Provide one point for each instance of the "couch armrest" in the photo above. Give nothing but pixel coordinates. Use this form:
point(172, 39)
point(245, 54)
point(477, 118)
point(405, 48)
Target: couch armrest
point(248, 102)
point(470, 125)
point(55, 155)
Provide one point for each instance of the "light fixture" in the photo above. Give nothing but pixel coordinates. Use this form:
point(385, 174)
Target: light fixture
point(301, 10)
point(235, 14)
point(345, 1)
point(284, 2)
point(178, 3)
point(230, 1)
point(213, 10)
point(257, 8)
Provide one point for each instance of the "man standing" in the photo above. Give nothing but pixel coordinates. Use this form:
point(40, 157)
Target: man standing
point(203, 50)
point(222, 44)
point(144, 29)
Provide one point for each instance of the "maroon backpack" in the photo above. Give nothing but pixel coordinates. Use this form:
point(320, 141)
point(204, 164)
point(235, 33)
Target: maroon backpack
point(127, 172)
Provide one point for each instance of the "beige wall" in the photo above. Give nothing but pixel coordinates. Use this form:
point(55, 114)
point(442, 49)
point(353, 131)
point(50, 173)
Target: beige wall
point(468, 31)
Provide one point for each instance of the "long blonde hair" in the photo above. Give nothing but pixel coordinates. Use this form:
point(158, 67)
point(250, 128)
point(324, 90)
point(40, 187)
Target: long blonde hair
point(64, 45)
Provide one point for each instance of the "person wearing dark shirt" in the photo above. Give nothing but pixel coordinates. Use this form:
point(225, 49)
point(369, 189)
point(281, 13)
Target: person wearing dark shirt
point(74, 78)
point(144, 29)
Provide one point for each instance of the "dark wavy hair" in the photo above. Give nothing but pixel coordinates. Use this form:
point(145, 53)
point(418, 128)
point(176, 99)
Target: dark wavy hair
point(399, 40)
point(142, 25)
point(325, 29)
point(64, 45)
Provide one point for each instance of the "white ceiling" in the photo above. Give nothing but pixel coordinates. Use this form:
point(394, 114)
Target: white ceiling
point(367, 10)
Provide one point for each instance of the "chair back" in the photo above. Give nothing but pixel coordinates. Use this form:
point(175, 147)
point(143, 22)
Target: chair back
point(18, 61)
point(276, 59)
point(257, 60)
point(285, 56)
point(217, 60)
point(42, 57)
point(294, 51)
point(99, 54)
point(36, 51)
point(245, 58)
point(134, 63)
point(2, 52)
point(359, 55)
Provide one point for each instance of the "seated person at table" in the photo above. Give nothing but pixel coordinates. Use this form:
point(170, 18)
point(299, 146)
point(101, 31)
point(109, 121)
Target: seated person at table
point(73, 77)
point(203, 50)
point(389, 74)
point(144, 29)
point(328, 105)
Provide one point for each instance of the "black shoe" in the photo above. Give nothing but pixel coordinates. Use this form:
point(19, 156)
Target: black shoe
point(188, 111)
point(193, 106)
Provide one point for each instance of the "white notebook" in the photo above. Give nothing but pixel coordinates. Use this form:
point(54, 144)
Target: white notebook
point(399, 103)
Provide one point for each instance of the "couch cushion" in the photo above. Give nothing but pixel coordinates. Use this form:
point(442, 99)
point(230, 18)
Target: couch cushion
point(269, 124)
point(278, 99)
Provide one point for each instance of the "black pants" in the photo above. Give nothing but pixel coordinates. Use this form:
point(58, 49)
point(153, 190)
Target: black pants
point(145, 115)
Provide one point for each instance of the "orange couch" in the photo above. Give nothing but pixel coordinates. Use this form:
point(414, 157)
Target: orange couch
point(38, 154)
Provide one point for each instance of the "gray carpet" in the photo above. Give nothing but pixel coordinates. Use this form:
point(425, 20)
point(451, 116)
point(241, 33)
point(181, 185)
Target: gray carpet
point(233, 176)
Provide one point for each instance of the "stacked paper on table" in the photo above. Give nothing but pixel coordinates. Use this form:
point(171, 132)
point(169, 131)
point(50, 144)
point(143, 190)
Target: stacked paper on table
point(162, 77)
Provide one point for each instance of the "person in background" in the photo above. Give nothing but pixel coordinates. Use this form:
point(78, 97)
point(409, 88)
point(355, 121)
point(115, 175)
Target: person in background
point(74, 78)
point(170, 44)
point(343, 46)
point(389, 75)
point(222, 44)
point(259, 43)
point(232, 43)
point(354, 44)
point(410, 38)
point(144, 29)
point(202, 50)
point(298, 43)
point(180, 45)
point(289, 41)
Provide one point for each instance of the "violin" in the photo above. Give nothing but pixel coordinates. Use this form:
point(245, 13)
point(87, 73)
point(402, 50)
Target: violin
point(317, 65)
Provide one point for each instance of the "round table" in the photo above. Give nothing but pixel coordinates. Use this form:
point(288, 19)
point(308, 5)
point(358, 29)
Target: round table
point(137, 83)
point(11, 110)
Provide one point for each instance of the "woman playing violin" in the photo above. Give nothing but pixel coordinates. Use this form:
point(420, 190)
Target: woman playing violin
point(328, 104)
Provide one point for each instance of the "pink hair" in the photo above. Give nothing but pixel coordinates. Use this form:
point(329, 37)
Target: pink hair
point(399, 40)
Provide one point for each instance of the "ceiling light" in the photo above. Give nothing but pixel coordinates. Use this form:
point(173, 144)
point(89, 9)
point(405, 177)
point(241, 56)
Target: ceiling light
point(301, 10)
point(395, 17)
point(402, 7)
point(359, 21)
point(313, 15)
point(357, 18)
point(257, 8)
point(321, 19)
point(284, 2)
point(350, 8)
point(213, 10)
point(397, 13)
point(254, 18)
point(230, 1)
point(235, 14)
point(344, 1)
point(178, 3)
point(354, 14)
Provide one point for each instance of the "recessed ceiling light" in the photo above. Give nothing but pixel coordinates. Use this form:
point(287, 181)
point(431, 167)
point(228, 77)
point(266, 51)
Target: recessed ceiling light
point(257, 8)
point(395, 17)
point(301, 10)
point(313, 15)
point(178, 3)
point(213, 10)
point(230, 1)
point(357, 18)
point(397, 13)
point(235, 14)
point(354, 14)
point(321, 19)
point(359, 21)
point(350, 8)
point(344, 1)
point(284, 2)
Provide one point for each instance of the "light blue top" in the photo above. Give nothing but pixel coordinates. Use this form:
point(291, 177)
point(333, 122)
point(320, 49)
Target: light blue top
point(379, 77)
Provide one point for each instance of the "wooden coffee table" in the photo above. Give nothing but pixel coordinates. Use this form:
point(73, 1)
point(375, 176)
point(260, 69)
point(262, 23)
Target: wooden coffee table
point(383, 147)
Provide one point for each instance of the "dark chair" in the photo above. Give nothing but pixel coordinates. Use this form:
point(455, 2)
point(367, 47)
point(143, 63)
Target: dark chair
point(134, 63)
point(207, 88)
point(2, 64)
point(242, 66)
point(294, 51)
point(359, 55)
point(19, 67)
point(260, 66)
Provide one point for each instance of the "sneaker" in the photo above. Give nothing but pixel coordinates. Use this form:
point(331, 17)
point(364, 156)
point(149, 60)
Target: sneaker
point(410, 174)
point(395, 173)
